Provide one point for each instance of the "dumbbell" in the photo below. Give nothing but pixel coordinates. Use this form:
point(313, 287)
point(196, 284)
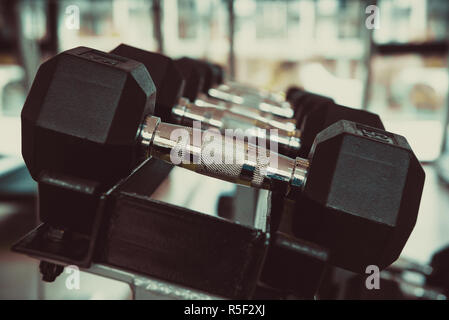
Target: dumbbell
point(319, 111)
point(197, 73)
point(291, 142)
point(215, 80)
point(313, 112)
point(170, 85)
point(238, 88)
point(220, 87)
point(303, 102)
point(90, 115)
point(234, 93)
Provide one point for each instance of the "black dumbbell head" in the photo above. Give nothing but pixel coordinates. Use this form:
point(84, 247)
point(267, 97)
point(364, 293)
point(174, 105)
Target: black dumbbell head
point(82, 115)
point(292, 92)
point(361, 196)
point(304, 102)
point(205, 69)
point(219, 74)
point(210, 74)
point(194, 77)
point(166, 76)
point(325, 114)
point(308, 103)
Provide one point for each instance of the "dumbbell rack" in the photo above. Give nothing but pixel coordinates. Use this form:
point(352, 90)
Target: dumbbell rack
point(170, 252)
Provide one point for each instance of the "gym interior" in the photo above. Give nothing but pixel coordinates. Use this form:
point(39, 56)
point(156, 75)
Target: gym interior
point(153, 230)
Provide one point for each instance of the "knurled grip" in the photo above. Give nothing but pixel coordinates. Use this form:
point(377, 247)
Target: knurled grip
point(212, 154)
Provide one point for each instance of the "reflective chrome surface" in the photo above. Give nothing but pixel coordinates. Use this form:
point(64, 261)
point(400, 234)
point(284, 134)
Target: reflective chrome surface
point(299, 177)
point(237, 87)
point(221, 118)
point(264, 103)
point(224, 157)
point(147, 133)
point(257, 114)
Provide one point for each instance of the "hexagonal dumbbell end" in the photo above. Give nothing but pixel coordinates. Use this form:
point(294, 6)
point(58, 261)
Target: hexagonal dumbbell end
point(361, 196)
point(219, 74)
point(165, 74)
point(82, 114)
point(194, 77)
point(304, 102)
point(291, 92)
point(326, 114)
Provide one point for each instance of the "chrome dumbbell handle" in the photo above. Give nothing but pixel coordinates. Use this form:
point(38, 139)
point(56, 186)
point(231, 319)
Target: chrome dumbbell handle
point(282, 109)
point(222, 118)
point(252, 113)
point(212, 154)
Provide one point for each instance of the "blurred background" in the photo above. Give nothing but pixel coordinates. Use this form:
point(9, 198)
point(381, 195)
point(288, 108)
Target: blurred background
point(398, 69)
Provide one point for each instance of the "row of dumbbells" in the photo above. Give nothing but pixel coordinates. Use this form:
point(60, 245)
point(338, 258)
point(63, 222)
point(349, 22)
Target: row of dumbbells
point(297, 119)
point(343, 182)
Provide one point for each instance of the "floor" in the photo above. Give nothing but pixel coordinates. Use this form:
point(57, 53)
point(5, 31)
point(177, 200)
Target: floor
point(19, 277)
